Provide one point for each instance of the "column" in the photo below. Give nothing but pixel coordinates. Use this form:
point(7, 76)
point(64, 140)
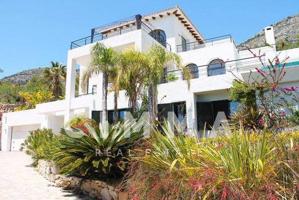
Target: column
point(191, 112)
point(45, 121)
point(6, 138)
point(70, 87)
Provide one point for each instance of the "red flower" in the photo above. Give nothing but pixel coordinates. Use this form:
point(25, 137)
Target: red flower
point(224, 194)
point(135, 197)
point(196, 184)
point(277, 61)
point(261, 121)
point(290, 89)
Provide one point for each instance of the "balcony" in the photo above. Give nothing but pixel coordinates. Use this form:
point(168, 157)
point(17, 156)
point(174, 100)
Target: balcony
point(98, 34)
point(232, 66)
point(207, 42)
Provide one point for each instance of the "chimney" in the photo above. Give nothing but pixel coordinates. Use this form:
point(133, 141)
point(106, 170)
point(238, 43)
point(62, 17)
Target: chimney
point(138, 21)
point(269, 36)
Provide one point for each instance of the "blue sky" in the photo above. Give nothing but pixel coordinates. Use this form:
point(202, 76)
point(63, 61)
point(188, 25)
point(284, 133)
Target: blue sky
point(35, 32)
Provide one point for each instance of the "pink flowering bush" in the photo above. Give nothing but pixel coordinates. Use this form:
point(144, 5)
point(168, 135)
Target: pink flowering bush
point(265, 103)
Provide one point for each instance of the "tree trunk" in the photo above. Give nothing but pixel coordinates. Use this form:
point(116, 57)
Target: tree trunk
point(104, 119)
point(155, 102)
point(133, 102)
point(152, 104)
point(115, 107)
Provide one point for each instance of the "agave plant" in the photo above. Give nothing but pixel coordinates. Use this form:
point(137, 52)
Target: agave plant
point(98, 154)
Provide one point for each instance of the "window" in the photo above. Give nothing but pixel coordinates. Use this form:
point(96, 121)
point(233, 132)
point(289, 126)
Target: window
point(94, 89)
point(97, 115)
point(159, 35)
point(193, 68)
point(121, 115)
point(216, 67)
point(184, 44)
point(208, 111)
point(178, 109)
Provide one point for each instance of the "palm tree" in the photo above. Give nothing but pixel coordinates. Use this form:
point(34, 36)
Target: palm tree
point(103, 61)
point(134, 68)
point(158, 59)
point(114, 77)
point(55, 76)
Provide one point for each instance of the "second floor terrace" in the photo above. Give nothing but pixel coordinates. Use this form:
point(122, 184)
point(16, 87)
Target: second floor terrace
point(167, 27)
point(235, 67)
point(193, 45)
point(122, 27)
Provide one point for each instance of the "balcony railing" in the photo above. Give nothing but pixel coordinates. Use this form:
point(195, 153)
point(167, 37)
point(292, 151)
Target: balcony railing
point(86, 40)
point(238, 65)
point(99, 36)
point(148, 30)
point(207, 42)
point(85, 94)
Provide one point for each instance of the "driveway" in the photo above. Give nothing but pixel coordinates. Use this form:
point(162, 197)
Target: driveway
point(20, 181)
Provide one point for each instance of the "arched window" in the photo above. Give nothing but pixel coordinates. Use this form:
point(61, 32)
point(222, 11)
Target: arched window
point(159, 35)
point(193, 68)
point(216, 67)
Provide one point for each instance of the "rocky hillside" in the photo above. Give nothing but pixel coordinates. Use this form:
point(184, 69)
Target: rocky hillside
point(286, 29)
point(23, 76)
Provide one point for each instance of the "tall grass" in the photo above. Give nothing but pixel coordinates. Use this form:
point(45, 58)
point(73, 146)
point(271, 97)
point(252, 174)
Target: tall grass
point(238, 166)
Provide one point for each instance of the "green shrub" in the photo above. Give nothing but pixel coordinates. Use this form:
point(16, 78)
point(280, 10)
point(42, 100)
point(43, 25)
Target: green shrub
point(96, 154)
point(171, 77)
point(294, 118)
point(9, 93)
point(239, 166)
point(284, 44)
point(40, 144)
point(243, 93)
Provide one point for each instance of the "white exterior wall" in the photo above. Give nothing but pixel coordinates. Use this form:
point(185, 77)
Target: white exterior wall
point(291, 54)
point(19, 134)
point(173, 28)
point(19, 118)
point(16, 126)
point(223, 49)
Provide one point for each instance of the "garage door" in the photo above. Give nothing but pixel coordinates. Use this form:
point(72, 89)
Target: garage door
point(19, 134)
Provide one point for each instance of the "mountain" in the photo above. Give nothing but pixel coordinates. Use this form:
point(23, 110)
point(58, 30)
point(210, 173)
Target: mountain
point(284, 30)
point(23, 76)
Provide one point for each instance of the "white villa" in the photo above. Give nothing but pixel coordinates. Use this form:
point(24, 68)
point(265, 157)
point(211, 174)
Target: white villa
point(213, 63)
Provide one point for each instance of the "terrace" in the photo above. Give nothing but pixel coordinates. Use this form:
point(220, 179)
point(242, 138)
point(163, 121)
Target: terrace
point(207, 42)
point(216, 67)
point(118, 28)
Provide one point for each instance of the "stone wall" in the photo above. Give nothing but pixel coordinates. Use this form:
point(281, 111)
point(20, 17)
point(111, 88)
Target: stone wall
point(93, 188)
